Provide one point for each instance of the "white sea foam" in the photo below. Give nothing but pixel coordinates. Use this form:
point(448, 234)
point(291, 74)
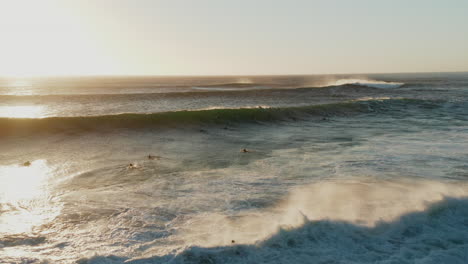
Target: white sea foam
point(359, 202)
point(354, 221)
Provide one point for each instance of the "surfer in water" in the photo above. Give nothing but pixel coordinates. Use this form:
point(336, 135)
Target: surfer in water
point(27, 163)
point(244, 150)
point(152, 157)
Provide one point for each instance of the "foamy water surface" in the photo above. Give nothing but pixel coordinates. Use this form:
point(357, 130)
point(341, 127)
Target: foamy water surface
point(336, 169)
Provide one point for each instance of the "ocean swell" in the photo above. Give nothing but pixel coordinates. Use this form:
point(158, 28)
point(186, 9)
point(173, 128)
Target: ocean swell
point(12, 126)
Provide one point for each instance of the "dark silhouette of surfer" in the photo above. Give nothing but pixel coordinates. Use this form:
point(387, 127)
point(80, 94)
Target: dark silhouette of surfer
point(152, 157)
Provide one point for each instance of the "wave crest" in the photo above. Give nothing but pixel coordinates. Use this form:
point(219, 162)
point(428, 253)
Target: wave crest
point(221, 116)
point(367, 83)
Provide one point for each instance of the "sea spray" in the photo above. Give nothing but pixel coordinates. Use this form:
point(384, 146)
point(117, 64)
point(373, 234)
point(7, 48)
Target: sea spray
point(360, 201)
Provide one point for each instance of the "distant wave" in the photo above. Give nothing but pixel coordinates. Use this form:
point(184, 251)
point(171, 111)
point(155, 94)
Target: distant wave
point(12, 126)
point(220, 88)
point(231, 85)
point(367, 83)
point(193, 91)
point(229, 88)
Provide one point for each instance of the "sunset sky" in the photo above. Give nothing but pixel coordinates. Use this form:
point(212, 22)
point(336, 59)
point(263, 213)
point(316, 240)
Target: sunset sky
point(242, 37)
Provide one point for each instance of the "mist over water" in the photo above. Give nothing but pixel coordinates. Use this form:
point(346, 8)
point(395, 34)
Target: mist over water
point(338, 169)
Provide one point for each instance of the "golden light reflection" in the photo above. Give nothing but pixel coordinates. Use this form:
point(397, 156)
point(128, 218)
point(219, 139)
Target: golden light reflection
point(25, 197)
point(18, 86)
point(22, 111)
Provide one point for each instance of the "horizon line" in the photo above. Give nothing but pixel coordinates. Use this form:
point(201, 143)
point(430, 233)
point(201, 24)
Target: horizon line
point(220, 75)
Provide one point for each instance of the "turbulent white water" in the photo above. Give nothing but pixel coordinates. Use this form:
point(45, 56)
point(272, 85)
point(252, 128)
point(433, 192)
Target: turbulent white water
point(347, 173)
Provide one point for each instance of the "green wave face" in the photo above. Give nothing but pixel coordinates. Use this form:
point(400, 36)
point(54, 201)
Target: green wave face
point(206, 117)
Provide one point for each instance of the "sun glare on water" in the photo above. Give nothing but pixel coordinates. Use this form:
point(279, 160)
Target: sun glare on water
point(24, 197)
point(23, 111)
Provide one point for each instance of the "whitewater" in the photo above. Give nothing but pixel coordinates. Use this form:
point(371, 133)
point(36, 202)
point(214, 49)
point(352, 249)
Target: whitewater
point(235, 169)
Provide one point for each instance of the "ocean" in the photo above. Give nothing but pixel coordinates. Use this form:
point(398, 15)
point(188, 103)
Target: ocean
point(235, 169)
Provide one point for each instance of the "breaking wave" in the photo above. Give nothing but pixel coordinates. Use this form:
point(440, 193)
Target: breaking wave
point(397, 221)
point(367, 83)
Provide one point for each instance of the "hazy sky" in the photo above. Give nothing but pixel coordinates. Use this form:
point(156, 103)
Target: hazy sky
point(212, 37)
